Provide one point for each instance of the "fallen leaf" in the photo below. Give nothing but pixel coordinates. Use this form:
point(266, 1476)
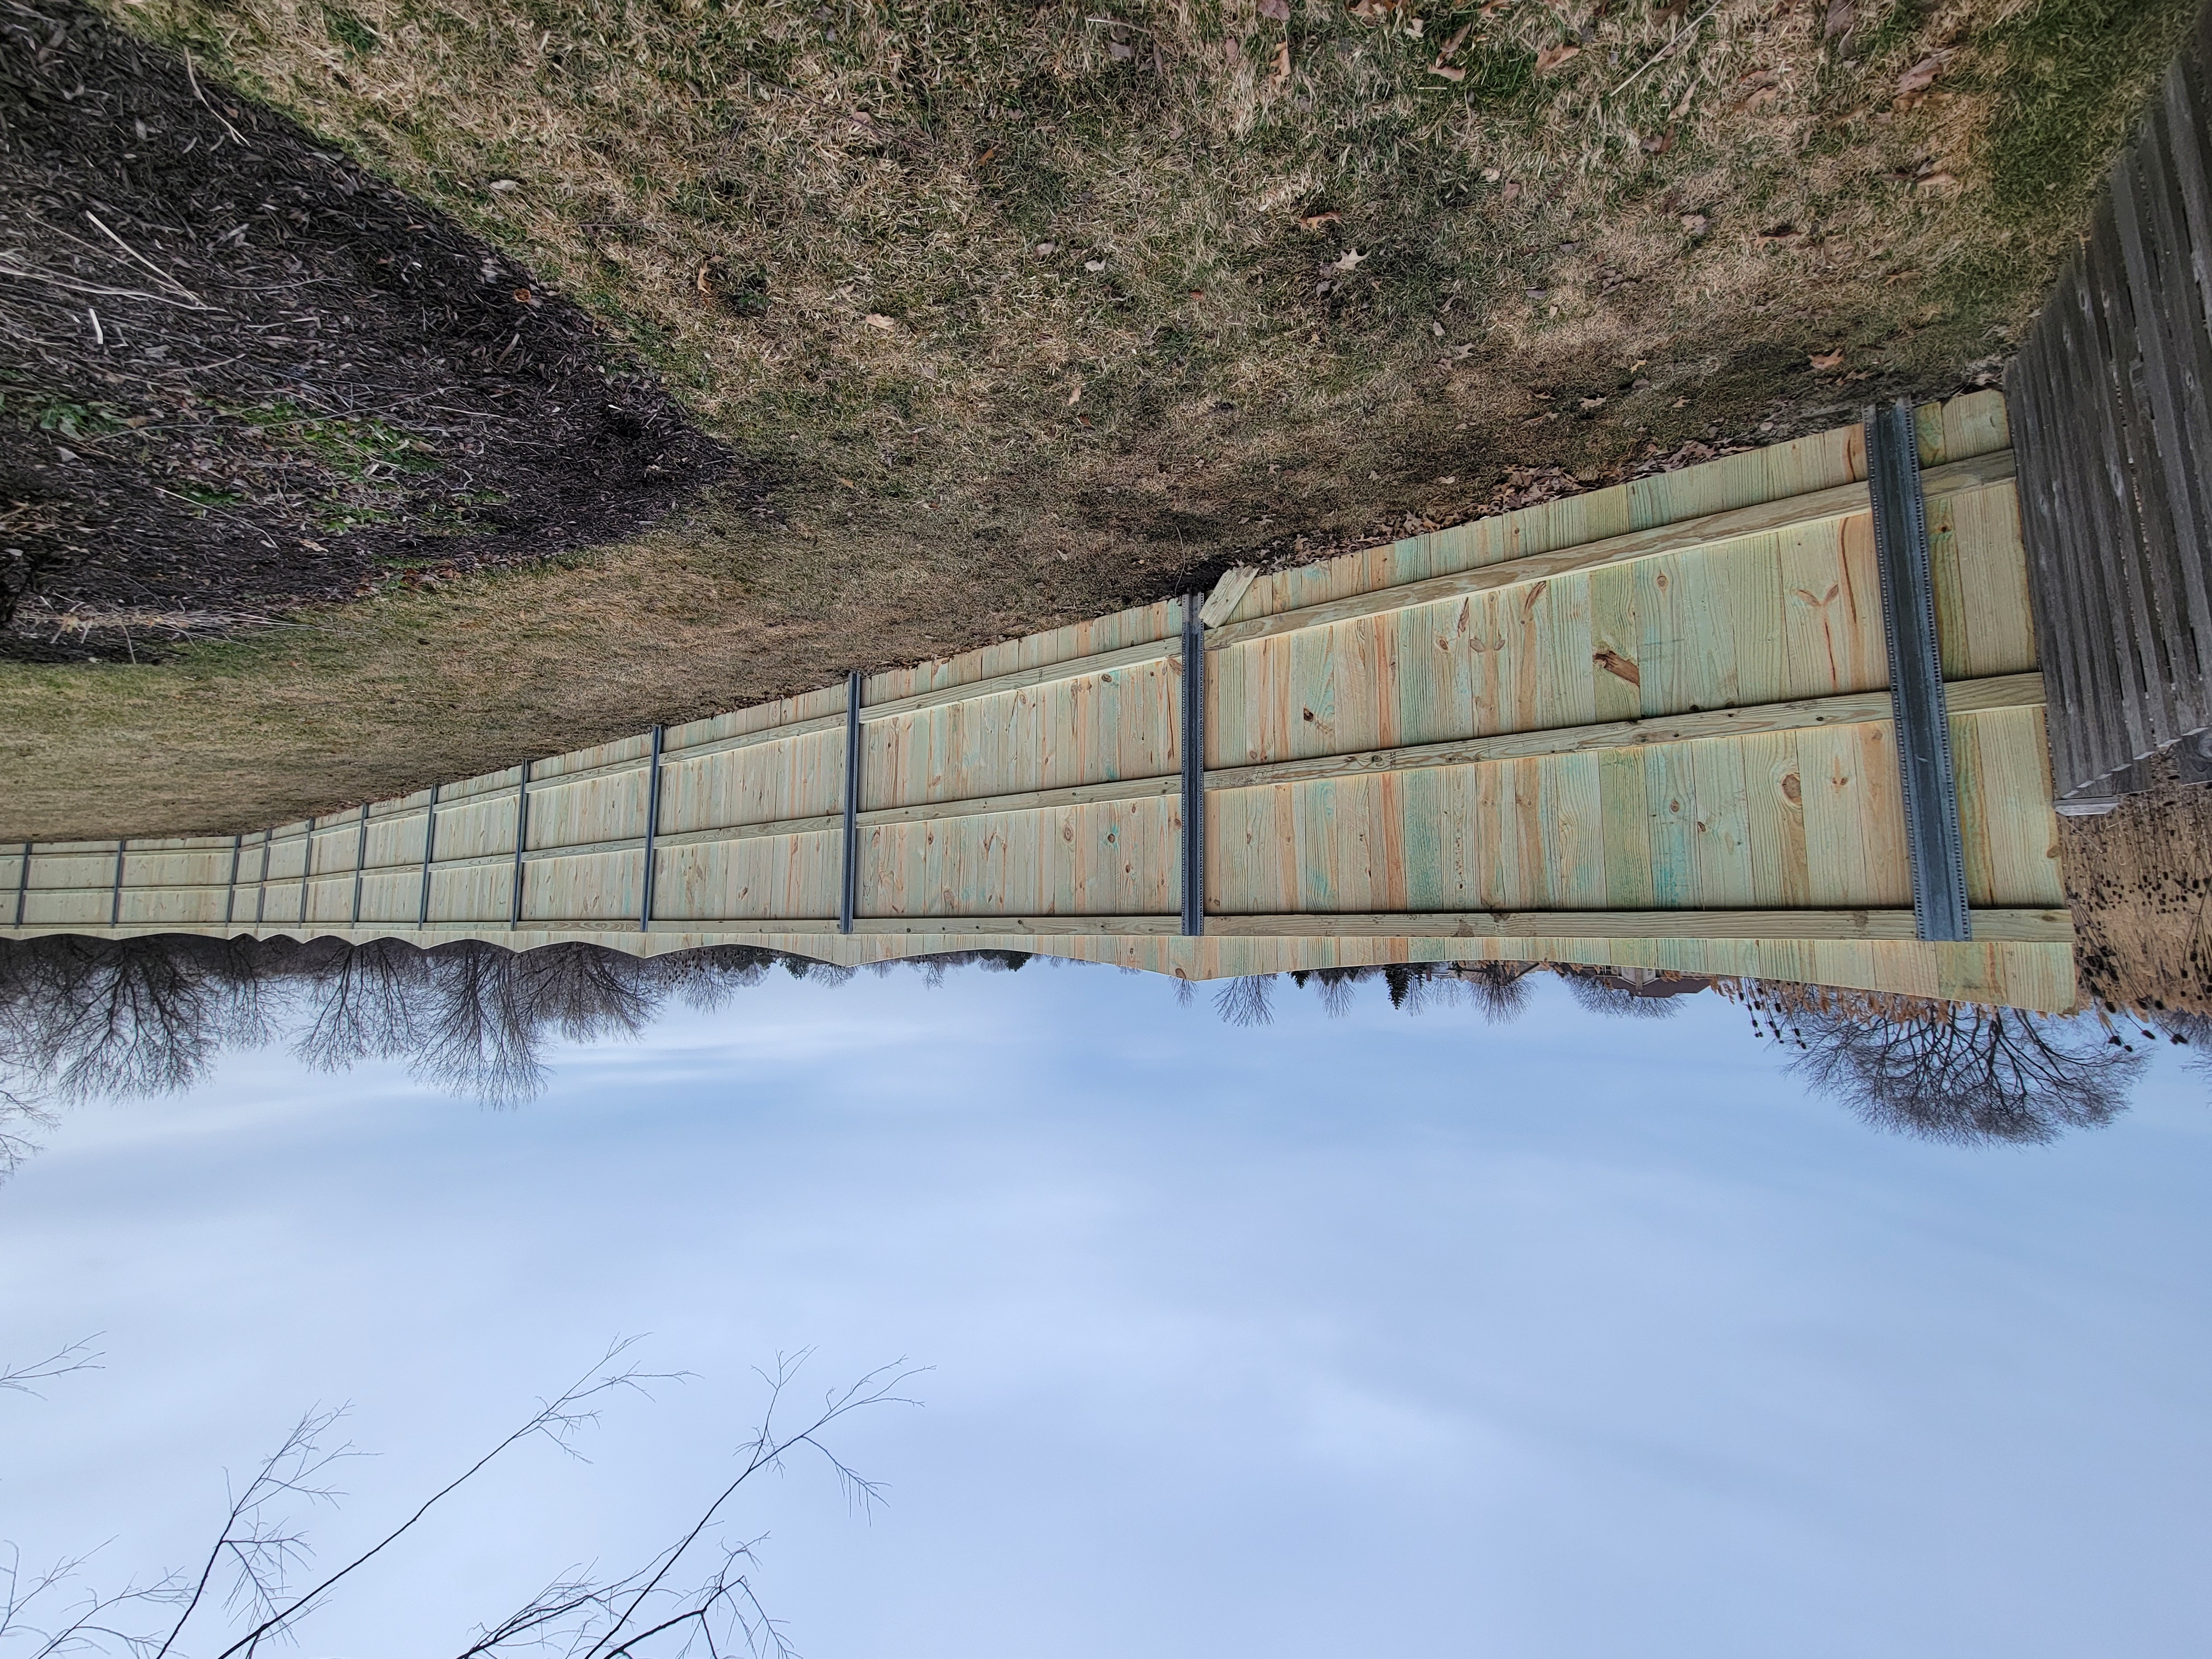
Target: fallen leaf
point(1075, 394)
point(1315, 221)
point(1120, 52)
point(507, 184)
point(1588, 403)
point(1094, 264)
point(1842, 13)
point(523, 296)
point(1350, 259)
point(1824, 362)
point(1449, 73)
point(1046, 250)
point(1279, 11)
point(1551, 56)
point(1695, 224)
point(1374, 11)
point(1413, 27)
point(1938, 181)
point(876, 319)
point(1921, 75)
point(1657, 143)
point(1281, 73)
point(1453, 44)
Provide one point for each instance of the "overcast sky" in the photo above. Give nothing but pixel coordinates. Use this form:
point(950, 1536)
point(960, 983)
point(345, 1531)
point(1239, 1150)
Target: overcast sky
point(1572, 1340)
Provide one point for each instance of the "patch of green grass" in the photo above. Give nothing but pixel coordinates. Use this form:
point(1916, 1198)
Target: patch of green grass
point(43, 412)
point(348, 445)
point(339, 517)
point(348, 31)
point(2076, 75)
point(206, 496)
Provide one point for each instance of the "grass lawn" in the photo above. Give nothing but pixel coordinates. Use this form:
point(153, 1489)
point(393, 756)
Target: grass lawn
point(1014, 313)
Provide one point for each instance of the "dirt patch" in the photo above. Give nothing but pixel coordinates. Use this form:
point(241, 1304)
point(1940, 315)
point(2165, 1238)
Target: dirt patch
point(2140, 880)
point(239, 373)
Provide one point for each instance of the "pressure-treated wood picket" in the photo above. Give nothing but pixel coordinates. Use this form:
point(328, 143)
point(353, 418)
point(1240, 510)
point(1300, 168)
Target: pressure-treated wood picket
point(1647, 725)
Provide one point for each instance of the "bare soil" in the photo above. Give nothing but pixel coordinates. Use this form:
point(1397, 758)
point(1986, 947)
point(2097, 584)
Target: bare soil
point(237, 372)
point(2140, 880)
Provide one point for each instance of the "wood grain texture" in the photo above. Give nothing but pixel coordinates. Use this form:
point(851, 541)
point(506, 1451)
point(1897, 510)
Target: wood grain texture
point(1647, 727)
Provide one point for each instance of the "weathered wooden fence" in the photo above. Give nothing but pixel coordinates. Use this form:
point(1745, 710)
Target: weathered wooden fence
point(1648, 726)
point(2113, 394)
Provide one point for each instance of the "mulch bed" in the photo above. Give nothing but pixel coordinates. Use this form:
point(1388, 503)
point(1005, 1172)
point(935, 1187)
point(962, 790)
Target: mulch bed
point(239, 373)
point(2139, 878)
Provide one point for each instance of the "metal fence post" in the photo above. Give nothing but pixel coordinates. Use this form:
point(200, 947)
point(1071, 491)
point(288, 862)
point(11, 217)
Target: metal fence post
point(521, 840)
point(652, 826)
point(115, 904)
point(430, 856)
point(360, 864)
point(1193, 767)
point(230, 902)
point(848, 886)
point(23, 882)
point(1933, 844)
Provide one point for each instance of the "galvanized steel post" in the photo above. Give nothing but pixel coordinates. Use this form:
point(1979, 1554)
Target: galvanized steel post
point(848, 890)
point(521, 841)
point(230, 902)
point(1192, 741)
point(1934, 845)
point(429, 857)
point(652, 826)
point(360, 865)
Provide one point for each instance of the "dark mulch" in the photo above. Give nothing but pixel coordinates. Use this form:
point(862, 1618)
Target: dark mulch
point(2139, 879)
point(237, 372)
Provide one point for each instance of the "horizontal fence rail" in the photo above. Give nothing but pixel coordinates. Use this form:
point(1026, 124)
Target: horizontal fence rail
point(1651, 726)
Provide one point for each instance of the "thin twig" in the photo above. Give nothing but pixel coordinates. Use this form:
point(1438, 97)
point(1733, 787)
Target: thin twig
point(1663, 50)
point(159, 275)
point(93, 287)
point(194, 82)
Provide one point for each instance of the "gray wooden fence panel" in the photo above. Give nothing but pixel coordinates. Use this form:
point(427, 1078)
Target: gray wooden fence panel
point(2113, 387)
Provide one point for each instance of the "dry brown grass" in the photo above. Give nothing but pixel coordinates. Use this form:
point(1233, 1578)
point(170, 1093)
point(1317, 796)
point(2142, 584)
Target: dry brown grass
point(2140, 880)
point(1024, 312)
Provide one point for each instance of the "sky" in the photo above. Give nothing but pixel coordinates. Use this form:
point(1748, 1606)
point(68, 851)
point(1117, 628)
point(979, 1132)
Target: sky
point(1567, 1338)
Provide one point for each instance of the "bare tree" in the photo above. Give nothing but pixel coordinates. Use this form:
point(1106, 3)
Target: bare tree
point(1246, 1001)
point(1499, 989)
point(1962, 1073)
point(362, 1002)
point(254, 1583)
point(78, 1356)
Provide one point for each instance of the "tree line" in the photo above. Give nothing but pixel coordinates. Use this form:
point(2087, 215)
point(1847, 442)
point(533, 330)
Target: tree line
point(83, 1018)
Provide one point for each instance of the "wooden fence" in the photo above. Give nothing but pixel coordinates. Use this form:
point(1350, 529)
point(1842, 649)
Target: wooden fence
point(2113, 397)
point(1648, 726)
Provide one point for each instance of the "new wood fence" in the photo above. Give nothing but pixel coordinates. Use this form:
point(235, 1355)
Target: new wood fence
point(1648, 726)
point(2113, 397)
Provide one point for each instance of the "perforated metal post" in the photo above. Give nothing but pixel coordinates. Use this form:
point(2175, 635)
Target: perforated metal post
point(1933, 842)
point(360, 865)
point(1193, 767)
point(230, 902)
point(521, 841)
point(261, 887)
point(848, 886)
point(652, 826)
point(429, 857)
